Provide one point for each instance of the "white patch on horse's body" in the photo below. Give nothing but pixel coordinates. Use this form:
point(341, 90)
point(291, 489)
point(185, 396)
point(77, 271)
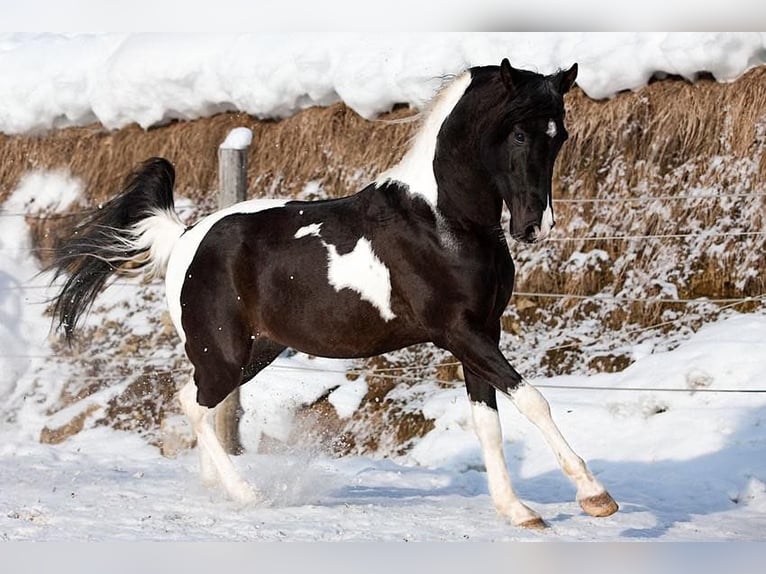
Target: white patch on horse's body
point(306, 230)
point(187, 245)
point(361, 271)
point(415, 169)
point(551, 131)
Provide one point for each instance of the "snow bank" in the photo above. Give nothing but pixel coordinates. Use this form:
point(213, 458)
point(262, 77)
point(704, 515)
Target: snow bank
point(22, 296)
point(50, 81)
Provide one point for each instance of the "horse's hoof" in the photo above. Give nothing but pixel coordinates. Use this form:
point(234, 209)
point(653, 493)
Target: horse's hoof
point(600, 505)
point(534, 524)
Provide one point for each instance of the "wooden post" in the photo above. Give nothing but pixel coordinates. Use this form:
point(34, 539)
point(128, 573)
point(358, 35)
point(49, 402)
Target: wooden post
point(232, 188)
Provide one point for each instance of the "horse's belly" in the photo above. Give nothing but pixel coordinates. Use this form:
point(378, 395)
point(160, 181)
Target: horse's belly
point(336, 324)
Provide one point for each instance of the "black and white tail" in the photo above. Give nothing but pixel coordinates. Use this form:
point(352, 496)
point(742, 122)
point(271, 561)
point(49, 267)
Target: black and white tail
point(136, 230)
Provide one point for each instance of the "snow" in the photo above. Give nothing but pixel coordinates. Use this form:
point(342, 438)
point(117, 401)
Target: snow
point(238, 138)
point(684, 466)
point(150, 79)
point(683, 455)
point(22, 325)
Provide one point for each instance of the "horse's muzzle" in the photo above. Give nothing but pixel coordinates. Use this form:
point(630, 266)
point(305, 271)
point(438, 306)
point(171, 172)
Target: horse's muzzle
point(534, 233)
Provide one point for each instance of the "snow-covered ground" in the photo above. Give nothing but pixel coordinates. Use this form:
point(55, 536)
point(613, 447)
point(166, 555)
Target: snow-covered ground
point(688, 464)
point(684, 464)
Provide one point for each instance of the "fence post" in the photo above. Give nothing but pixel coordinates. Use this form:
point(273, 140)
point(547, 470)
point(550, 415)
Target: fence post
point(232, 188)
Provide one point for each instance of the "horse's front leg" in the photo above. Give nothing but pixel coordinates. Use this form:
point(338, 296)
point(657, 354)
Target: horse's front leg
point(592, 496)
point(481, 356)
point(486, 423)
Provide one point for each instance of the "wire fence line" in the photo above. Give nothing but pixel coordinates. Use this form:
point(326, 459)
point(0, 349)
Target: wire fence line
point(703, 234)
point(563, 239)
point(650, 198)
point(379, 372)
point(574, 238)
point(619, 299)
point(44, 216)
point(384, 374)
point(74, 213)
point(562, 200)
point(598, 297)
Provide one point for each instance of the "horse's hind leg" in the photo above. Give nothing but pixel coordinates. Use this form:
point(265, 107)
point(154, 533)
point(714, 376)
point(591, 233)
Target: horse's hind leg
point(215, 464)
point(218, 371)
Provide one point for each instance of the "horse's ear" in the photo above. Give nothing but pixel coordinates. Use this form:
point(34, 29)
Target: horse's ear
point(566, 79)
point(510, 76)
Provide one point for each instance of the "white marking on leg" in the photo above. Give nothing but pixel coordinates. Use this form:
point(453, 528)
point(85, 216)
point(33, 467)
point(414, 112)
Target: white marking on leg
point(361, 271)
point(487, 425)
point(415, 170)
point(187, 245)
point(188, 399)
point(308, 230)
point(551, 131)
point(214, 461)
point(533, 405)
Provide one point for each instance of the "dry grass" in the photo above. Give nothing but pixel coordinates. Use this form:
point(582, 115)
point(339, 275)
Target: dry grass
point(672, 138)
point(659, 141)
point(331, 145)
point(665, 125)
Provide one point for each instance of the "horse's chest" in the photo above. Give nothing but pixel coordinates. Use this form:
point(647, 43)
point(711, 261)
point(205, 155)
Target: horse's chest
point(487, 280)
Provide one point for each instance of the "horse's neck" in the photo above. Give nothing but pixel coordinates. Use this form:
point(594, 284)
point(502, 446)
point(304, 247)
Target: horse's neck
point(464, 191)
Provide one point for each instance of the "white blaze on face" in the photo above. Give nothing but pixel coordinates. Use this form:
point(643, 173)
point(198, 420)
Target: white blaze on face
point(546, 224)
point(551, 131)
point(361, 271)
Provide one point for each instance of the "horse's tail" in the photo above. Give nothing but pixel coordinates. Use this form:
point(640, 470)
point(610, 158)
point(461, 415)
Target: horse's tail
point(135, 230)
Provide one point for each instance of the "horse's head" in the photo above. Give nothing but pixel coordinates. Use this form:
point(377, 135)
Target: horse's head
point(500, 142)
point(521, 150)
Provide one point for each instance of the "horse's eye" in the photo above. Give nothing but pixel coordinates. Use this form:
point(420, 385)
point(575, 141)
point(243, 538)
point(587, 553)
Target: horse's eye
point(519, 137)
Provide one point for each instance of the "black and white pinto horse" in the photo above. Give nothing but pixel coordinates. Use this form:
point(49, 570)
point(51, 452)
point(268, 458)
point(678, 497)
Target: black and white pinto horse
point(416, 256)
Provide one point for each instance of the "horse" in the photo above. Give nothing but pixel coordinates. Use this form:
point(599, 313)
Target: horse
point(418, 255)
